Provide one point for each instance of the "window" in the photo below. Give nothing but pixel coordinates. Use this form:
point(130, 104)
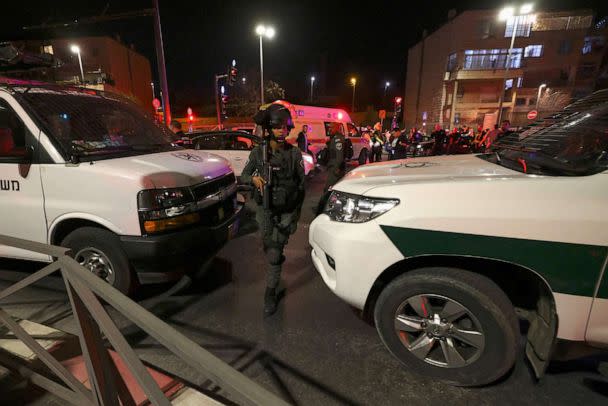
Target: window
point(328, 128)
point(524, 26)
point(352, 130)
point(520, 101)
point(485, 29)
point(210, 142)
point(476, 59)
point(593, 44)
point(47, 49)
point(452, 60)
point(562, 23)
point(565, 47)
point(12, 132)
point(520, 82)
point(456, 118)
point(533, 51)
point(508, 84)
point(586, 71)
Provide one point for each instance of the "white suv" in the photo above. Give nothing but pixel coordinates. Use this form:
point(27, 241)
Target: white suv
point(442, 251)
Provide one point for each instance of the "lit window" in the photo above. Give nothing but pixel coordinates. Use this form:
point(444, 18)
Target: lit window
point(476, 59)
point(533, 51)
point(508, 84)
point(520, 82)
point(524, 26)
point(47, 49)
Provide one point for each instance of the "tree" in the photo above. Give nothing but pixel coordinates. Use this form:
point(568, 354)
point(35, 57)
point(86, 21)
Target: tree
point(273, 91)
point(553, 100)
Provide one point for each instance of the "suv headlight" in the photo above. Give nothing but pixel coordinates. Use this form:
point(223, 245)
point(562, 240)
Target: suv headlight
point(166, 209)
point(348, 208)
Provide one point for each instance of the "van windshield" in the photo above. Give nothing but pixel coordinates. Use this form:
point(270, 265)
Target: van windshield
point(571, 143)
point(94, 126)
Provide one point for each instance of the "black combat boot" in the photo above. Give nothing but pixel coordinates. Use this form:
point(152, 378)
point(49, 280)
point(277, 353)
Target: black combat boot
point(270, 301)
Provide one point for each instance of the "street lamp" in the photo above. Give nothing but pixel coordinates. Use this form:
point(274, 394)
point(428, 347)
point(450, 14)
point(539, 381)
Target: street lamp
point(76, 50)
point(386, 85)
point(540, 89)
point(353, 82)
point(153, 91)
point(268, 32)
point(506, 14)
point(312, 84)
point(244, 80)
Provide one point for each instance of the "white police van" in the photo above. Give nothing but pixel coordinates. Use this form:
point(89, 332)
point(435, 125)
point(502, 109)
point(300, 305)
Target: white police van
point(446, 252)
point(91, 172)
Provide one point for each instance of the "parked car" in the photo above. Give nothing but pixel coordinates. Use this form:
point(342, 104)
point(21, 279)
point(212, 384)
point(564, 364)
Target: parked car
point(235, 146)
point(91, 172)
point(462, 245)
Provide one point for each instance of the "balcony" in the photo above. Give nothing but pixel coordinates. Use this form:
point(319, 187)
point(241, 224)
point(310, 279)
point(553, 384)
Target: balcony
point(482, 74)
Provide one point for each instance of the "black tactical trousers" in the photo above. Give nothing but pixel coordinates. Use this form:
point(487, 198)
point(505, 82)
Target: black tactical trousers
point(333, 176)
point(275, 230)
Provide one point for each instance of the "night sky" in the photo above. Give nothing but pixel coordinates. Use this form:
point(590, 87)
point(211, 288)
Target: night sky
point(201, 38)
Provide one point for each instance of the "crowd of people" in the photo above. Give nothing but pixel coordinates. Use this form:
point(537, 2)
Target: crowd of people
point(400, 143)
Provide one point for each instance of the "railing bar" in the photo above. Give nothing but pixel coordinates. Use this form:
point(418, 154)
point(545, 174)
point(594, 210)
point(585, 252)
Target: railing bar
point(47, 384)
point(245, 389)
point(30, 279)
point(93, 351)
point(44, 355)
point(120, 344)
point(38, 247)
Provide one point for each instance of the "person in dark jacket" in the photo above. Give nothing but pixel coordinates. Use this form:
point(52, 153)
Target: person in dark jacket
point(336, 164)
point(303, 139)
point(280, 220)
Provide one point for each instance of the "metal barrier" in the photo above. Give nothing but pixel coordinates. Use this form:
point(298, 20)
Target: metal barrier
point(84, 290)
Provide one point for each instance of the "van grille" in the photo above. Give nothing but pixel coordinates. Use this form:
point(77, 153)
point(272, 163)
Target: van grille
point(211, 187)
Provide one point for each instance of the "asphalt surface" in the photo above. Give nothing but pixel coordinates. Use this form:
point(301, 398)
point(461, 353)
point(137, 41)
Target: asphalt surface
point(315, 350)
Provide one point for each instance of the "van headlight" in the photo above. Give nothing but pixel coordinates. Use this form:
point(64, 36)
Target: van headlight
point(349, 208)
point(166, 209)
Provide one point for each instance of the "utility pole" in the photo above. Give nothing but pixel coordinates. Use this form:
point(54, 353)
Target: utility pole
point(162, 70)
point(217, 99)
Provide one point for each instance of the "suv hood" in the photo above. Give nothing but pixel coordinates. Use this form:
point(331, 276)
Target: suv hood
point(166, 169)
point(427, 169)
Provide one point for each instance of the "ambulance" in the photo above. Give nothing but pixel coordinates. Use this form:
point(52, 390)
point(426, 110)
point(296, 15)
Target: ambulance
point(91, 172)
point(446, 254)
point(318, 120)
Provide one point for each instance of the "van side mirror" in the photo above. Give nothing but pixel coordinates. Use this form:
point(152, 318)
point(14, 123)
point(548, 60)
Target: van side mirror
point(19, 155)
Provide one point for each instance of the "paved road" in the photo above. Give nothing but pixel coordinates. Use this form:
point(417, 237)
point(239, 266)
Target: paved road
point(316, 350)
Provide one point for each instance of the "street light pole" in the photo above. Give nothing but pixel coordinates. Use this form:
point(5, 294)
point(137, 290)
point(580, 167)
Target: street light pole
point(153, 91)
point(261, 72)
point(540, 89)
point(353, 81)
point(312, 84)
point(76, 49)
point(386, 85)
point(505, 15)
point(162, 70)
point(262, 30)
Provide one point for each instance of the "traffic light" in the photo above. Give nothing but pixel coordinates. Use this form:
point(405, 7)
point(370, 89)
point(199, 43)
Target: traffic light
point(190, 115)
point(224, 102)
point(232, 73)
point(398, 101)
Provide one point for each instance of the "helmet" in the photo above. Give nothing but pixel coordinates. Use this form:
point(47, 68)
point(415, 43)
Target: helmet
point(274, 116)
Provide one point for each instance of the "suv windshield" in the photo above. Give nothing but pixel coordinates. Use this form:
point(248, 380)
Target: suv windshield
point(95, 126)
point(573, 142)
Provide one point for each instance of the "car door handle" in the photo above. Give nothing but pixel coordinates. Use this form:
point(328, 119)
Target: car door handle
point(238, 158)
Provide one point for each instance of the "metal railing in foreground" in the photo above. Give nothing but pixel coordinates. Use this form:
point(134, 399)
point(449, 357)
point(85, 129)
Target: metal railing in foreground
point(108, 388)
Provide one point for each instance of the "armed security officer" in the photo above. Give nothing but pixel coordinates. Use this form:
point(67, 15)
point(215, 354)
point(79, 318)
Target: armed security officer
point(336, 164)
point(285, 188)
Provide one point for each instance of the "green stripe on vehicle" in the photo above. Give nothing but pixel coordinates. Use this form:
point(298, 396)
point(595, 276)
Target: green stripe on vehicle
point(568, 268)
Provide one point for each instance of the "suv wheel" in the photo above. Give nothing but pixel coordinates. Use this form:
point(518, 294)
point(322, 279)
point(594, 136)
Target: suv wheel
point(99, 251)
point(449, 324)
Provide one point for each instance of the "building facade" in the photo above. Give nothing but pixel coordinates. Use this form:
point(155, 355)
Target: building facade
point(455, 75)
point(107, 64)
